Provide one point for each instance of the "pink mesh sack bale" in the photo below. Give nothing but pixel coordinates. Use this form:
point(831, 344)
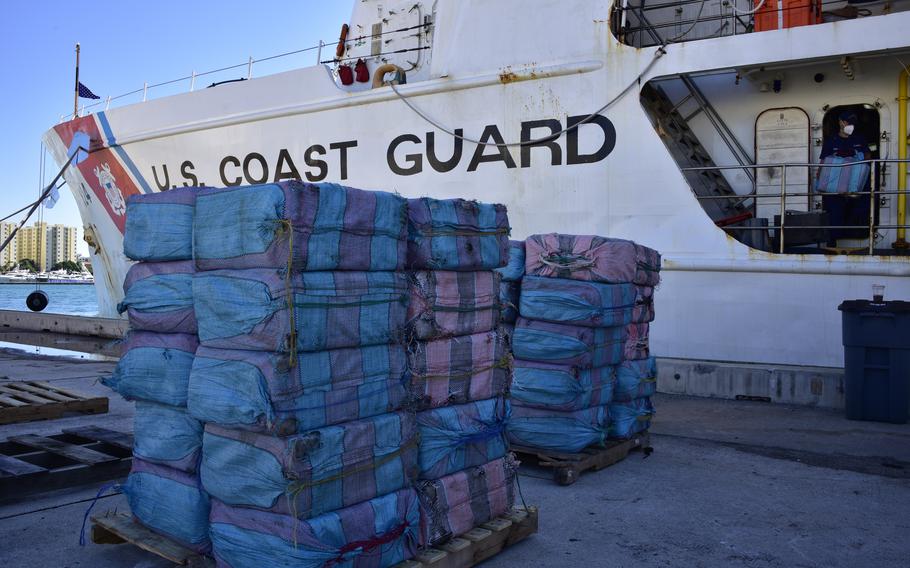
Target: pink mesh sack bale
point(456, 503)
point(588, 257)
point(448, 303)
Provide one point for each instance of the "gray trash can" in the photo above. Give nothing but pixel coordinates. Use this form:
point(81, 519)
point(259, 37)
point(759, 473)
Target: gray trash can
point(877, 360)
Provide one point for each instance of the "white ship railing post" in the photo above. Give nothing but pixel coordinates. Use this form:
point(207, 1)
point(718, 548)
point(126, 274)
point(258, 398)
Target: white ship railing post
point(319, 52)
point(145, 91)
point(783, 206)
point(193, 81)
point(249, 68)
point(107, 103)
point(872, 189)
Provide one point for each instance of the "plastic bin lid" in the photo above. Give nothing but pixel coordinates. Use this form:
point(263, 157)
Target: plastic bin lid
point(889, 306)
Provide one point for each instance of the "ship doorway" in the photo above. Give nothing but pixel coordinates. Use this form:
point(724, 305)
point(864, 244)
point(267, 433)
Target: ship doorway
point(855, 208)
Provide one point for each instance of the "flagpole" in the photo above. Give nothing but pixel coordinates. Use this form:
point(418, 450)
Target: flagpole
point(76, 93)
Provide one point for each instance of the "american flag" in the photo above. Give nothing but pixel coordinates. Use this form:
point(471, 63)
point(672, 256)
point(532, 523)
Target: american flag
point(85, 93)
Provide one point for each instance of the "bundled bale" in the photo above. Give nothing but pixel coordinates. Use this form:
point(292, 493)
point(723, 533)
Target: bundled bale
point(561, 387)
point(456, 234)
point(372, 534)
point(579, 346)
point(509, 297)
point(515, 269)
point(250, 309)
point(158, 296)
point(635, 379)
point(159, 226)
point(457, 503)
point(448, 303)
point(313, 473)
point(559, 431)
point(587, 257)
point(154, 367)
point(460, 369)
point(630, 418)
point(167, 435)
point(453, 438)
point(576, 302)
point(637, 341)
point(302, 226)
point(169, 502)
point(644, 305)
point(260, 391)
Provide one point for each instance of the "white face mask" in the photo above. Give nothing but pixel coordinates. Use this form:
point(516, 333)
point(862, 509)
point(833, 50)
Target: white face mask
point(848, 130)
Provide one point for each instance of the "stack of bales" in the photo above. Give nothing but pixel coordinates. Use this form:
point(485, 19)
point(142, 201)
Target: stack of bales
point(301, 375)
point(582, 298)
point(163, 487)
point(460, 363)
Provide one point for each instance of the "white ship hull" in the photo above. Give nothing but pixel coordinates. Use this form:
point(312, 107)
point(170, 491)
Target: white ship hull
point(718, 300)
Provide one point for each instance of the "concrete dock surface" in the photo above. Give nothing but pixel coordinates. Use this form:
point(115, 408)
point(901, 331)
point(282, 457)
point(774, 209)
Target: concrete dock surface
point(729, 483)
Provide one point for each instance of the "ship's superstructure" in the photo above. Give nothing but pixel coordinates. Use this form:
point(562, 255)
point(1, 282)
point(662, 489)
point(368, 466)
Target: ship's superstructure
point(592, 117)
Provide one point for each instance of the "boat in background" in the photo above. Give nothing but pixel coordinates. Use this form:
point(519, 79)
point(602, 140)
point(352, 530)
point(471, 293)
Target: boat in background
point(691, 127)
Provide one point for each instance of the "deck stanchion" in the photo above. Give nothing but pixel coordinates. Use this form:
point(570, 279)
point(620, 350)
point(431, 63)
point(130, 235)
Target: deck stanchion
point(783, 205)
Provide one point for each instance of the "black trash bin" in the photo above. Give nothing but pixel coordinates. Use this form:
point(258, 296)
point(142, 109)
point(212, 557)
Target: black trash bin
point(877, 360)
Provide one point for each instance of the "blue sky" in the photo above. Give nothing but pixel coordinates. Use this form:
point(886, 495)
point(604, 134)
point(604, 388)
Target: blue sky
point(125, 44)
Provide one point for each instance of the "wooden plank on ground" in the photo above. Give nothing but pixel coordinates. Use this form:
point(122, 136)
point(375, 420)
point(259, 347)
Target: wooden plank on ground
point(71, 451)
point(114, 527)
point(12, 466)
point(47, 393)
point(121, 440)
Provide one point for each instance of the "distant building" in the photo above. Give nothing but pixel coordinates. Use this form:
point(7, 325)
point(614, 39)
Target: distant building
point(9, 254)
point(61, 245)
point(32, 244)
point(45, 244)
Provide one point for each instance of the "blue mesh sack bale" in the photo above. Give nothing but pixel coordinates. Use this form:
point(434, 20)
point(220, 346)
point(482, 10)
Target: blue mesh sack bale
point(635, 379)
point(170, 502)
point(455, 437)
point(579, 346)
point(509, 297)
point(249, 309)
point(592, 258)
point(312, 473)
point(515, 269)
point(154, 367)
point(456, 234)
point(561, 387)
point(559, 431)
point(303, 226)
point(373, 534)
point(445, 303)
point(159, 226)
point(455, 504)
point(158, 296)
point(459, 369)
point(575, 302)
point(167, 435)
point(266, 392)
point(630, 418)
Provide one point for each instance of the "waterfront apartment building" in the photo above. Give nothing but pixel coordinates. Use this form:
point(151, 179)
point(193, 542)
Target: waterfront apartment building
point(32, 243)
point(8, 255)
point(45, 244)
point(61, 244)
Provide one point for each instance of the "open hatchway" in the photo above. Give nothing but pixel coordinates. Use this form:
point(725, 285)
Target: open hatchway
point(751, 145)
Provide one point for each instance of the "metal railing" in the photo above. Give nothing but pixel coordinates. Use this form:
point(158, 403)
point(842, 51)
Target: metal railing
point(873, 193)
point(248, 64)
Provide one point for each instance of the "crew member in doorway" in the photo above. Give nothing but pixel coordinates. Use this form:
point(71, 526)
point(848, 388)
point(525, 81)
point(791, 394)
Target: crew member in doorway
point(844, 207)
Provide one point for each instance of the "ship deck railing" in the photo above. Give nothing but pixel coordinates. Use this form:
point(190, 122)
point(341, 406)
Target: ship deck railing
point(874, 193)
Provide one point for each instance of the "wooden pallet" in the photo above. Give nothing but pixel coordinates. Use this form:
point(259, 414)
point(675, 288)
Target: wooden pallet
point(118, 528)
point(37, 400)
point(480, 543)
point(568, 466)
point(31, 464)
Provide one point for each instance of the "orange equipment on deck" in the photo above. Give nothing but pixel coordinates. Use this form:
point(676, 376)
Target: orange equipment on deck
point(780, 14)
